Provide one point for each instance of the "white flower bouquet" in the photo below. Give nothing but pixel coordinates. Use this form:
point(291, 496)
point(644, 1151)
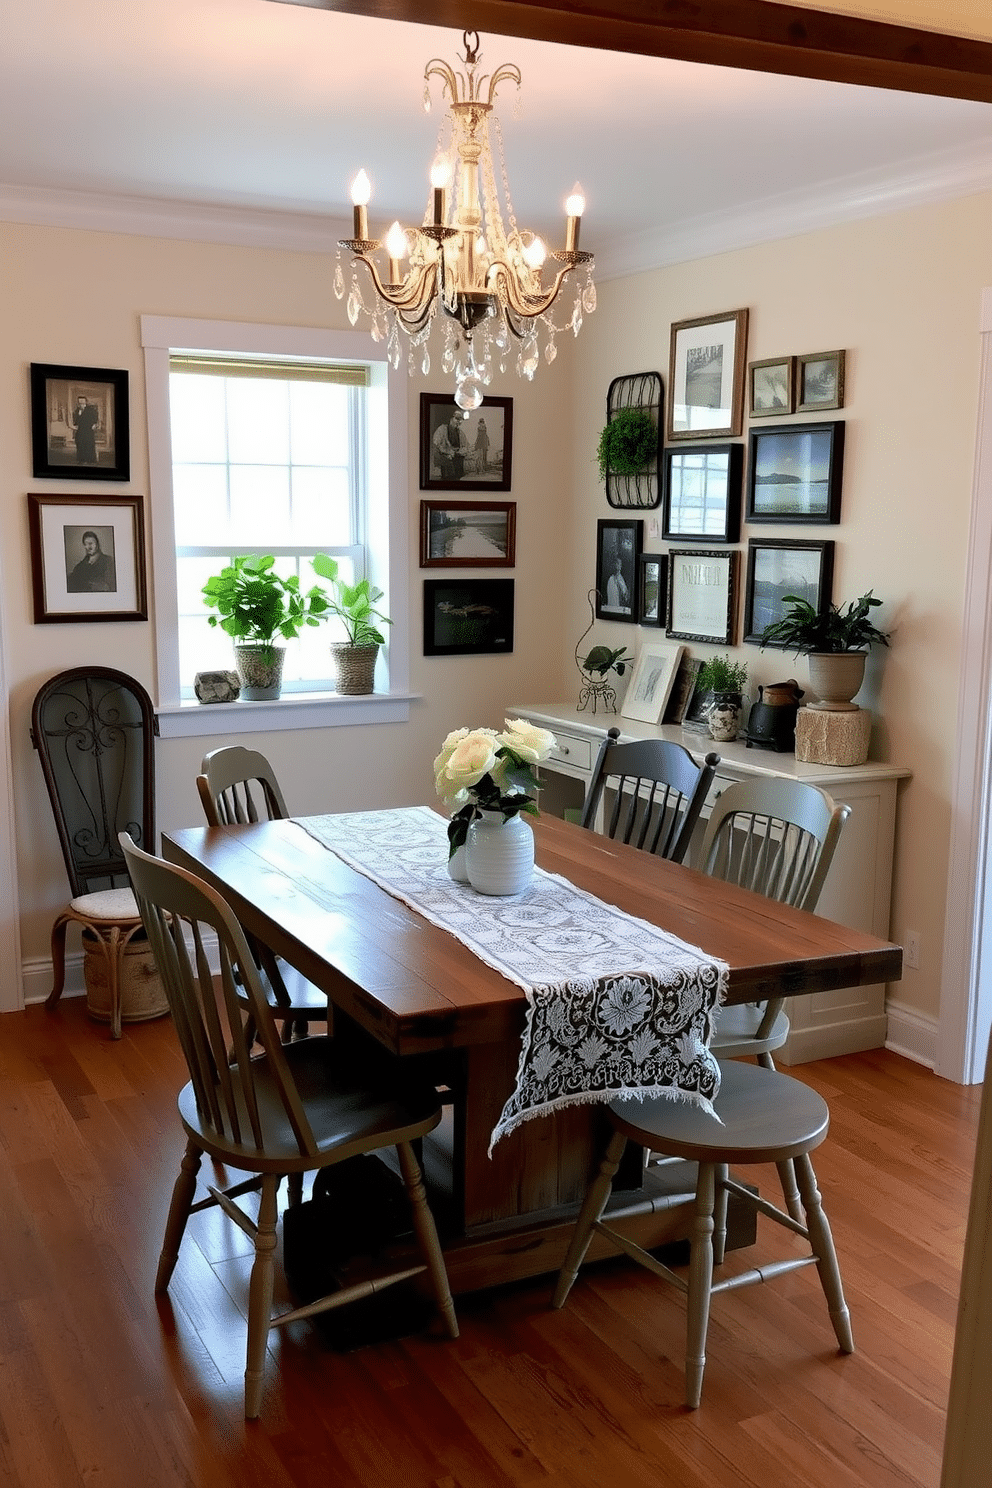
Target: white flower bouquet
point(482, 770)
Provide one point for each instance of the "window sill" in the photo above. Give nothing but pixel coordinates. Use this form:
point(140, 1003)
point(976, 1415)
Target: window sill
point(294, 711)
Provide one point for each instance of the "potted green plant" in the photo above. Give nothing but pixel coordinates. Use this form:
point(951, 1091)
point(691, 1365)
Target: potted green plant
point(724, 681)
point(627, 444)
point(355, 606)
point(835, 642)
point(258, 607)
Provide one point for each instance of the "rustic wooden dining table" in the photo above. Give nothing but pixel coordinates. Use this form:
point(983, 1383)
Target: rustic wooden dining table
point(400, 986)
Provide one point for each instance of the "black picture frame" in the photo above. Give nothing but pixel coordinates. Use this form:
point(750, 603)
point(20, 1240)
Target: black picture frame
point(794, 473)
point(80, 425)
point(475, 468)
point(777, 567)
point(468, 534)
point(703, 486)
point(652, 589)
point(702, 595)
point(87, 558)
point(618, 555)
point(468, 617)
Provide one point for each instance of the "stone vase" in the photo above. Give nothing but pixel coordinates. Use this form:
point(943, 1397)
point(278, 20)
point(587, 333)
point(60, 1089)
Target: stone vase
point(499, 855)
point(835, 677)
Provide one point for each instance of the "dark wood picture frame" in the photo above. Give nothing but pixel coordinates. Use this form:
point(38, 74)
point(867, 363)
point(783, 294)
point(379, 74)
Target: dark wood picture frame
point(483, 462)
point(777, 567)
point(820, 381)
point(468, 617)
point(80, 423)
point(468, 534)
point(771, 387)
point(703, 485)
point(707, 358)
point(702, 595)
point(87, 558)
point(794, 473)
point(618, 555)
point(652, 589)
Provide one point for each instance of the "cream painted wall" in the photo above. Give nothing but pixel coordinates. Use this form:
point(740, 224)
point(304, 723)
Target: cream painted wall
point(76, 297)
point(959, 17)
point(902, 295)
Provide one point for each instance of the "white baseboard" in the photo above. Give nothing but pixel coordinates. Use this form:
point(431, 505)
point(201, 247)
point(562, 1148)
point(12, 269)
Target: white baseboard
point(912, 1034)
point(36, 978)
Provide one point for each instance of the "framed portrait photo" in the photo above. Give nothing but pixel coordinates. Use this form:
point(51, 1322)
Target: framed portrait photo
point(80, 426)
point(618, 555)
point(821, 381)
point(651, 588)
point(467, 534)
point(461, 451)
point(794, 473)
point(468, 617)
point(702, 595)
point(706, 376)
point(771, 387)
point(87, 558)
point(651, 681)
point(776, 569)
point(703, 493)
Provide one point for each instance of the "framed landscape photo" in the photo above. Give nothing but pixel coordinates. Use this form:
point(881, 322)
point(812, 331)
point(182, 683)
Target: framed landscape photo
point(821, 381)
point(706, 376)
point(794, 473)
point(87, 558)
point(80, 426)
point(462, 451)
point(771, 387)
point(618, 553)
point(702, 596)
point(778, 568)
point(467, 534)
point(651, 681)
point(651, 591)
point(468, 617)
point(703, 493)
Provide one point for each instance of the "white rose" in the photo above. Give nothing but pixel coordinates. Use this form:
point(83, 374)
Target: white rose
point(472, 757)
point(448, 748)
point(526, 740)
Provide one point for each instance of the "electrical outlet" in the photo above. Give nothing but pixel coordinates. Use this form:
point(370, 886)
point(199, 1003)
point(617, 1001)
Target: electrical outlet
point(912, 949)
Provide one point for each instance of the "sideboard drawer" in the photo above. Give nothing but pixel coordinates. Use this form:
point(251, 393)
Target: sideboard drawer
point(573, 750)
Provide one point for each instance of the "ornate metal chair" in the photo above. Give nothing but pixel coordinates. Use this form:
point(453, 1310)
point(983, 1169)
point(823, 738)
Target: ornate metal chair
point(94, 730)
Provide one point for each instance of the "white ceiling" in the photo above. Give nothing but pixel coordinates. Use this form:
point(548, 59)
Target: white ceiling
point(268, 108)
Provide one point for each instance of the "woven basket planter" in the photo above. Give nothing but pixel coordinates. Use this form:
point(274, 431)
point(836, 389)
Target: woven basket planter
point(354, 667)
point(260, 670)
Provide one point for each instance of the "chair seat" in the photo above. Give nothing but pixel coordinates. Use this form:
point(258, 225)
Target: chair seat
point(111, 905)
point(736, 1033)
point(348, 1115)
point(764, 1117)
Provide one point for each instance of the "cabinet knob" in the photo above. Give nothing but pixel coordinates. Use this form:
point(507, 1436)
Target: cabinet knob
point(563, 749)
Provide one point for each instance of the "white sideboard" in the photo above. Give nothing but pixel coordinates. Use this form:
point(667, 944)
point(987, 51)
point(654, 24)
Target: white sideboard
point(858, 887)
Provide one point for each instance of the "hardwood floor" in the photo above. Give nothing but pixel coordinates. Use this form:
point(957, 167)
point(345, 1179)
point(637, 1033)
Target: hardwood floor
point(102, 1384)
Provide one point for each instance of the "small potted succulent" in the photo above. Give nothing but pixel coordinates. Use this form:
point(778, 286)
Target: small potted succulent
point(835, 642)
point(355, 606)
point(724, 682)
point(258, 608)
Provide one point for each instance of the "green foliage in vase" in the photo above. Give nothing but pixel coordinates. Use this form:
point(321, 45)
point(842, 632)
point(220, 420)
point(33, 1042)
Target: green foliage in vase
point(257, 605)
point(720, 675)
point(353, 604)
point(803, 629)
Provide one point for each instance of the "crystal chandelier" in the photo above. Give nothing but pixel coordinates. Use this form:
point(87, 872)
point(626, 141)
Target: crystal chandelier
point(484, 272)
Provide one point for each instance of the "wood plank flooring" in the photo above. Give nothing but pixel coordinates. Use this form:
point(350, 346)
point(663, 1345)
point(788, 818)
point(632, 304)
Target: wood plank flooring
point(102, 1384)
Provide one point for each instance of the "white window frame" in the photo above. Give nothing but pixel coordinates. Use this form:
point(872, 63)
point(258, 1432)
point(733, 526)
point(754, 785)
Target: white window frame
point(388, 555)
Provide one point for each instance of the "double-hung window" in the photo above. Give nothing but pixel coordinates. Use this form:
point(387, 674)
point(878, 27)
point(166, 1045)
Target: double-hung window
point(257, 445)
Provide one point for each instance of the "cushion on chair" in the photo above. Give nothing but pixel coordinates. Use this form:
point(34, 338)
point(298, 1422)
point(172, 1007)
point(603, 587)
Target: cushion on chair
point(107, 904)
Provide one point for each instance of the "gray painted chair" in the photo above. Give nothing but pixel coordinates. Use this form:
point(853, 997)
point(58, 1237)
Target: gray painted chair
point(656, 793)
point(295, 1108)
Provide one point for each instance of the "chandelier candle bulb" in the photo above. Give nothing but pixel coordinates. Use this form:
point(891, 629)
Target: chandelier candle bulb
point(440, 178)
point(396, 249)
point(575, 205)
point(361, 191)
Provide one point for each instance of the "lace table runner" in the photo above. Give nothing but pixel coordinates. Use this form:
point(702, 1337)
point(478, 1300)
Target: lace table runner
point(615, 1006)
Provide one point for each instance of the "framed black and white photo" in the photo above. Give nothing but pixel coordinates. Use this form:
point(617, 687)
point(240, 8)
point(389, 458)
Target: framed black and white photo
point(703, 493)
point(618, 553)
point(821, 381)
point(467, 534)
point(771, 387)
point(462, 451)
point(776, 569)
point(702, 595)
point(794, 473)
point(651, 681)
point(468, 617)
point(706, 376)
point(87, 558)
point(651, 589)
point(79, 423)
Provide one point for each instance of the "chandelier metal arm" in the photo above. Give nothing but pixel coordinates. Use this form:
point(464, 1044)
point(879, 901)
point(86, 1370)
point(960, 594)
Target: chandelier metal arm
point(413, 295)
point(523, 303)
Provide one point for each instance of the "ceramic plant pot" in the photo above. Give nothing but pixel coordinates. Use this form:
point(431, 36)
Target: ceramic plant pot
point(835, 677)
point(499, 855)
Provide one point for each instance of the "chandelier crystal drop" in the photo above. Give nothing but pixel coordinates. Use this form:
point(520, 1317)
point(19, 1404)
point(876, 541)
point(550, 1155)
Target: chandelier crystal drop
point(468, 257)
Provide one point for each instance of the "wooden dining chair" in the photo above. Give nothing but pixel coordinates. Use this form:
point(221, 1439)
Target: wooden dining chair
point(656, 793)
point(776, 837)
point(239, 785)
point(766, 1117)
point(294, 1108)
point(94, 730)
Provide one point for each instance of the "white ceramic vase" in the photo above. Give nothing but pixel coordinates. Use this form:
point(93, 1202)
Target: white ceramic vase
point(457, 866)
point(499, 855)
